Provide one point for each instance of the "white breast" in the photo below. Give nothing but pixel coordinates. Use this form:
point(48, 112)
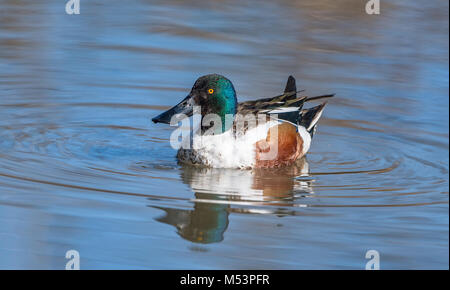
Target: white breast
point(225, 150)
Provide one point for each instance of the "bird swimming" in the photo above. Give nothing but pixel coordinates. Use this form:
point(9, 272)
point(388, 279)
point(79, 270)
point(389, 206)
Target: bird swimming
point(264, 133)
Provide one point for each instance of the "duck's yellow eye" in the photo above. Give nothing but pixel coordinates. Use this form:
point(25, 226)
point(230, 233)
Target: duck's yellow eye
point(210, 91)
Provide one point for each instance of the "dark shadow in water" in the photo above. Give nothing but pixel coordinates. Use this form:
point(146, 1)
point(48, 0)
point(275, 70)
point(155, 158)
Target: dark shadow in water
point(217, 189)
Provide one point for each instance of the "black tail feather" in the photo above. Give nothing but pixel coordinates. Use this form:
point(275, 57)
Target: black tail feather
point(291, 88)
point(319, 97)
point(308, 117)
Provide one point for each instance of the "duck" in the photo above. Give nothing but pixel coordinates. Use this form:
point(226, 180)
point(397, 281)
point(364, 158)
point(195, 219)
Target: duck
point(264, 133)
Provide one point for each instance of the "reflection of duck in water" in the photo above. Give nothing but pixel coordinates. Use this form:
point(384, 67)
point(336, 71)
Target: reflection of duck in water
point(205, 224)
point(217, 189)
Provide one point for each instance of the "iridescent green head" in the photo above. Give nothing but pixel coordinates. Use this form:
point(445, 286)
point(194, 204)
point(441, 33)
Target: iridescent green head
point(214, 94)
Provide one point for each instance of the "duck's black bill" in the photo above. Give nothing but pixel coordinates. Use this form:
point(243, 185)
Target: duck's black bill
point(176, 113)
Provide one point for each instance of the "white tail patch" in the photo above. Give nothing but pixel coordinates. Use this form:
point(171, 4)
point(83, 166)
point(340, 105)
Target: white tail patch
point(284, 110)
point(306, 137)
point(315, 119)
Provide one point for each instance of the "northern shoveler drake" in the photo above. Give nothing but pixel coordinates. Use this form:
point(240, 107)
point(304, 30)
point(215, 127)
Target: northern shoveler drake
point(264, 133)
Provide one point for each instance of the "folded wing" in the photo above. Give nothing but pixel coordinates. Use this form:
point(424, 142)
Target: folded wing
point(286, 106)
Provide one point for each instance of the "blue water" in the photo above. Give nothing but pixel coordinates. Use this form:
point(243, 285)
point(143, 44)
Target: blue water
point(83, 168)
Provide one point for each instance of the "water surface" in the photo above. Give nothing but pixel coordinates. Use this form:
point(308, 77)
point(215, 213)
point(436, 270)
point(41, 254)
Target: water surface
point(82, 167)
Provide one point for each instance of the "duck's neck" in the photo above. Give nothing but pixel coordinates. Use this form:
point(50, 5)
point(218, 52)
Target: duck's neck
point(222, 106)
point(209, 125)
